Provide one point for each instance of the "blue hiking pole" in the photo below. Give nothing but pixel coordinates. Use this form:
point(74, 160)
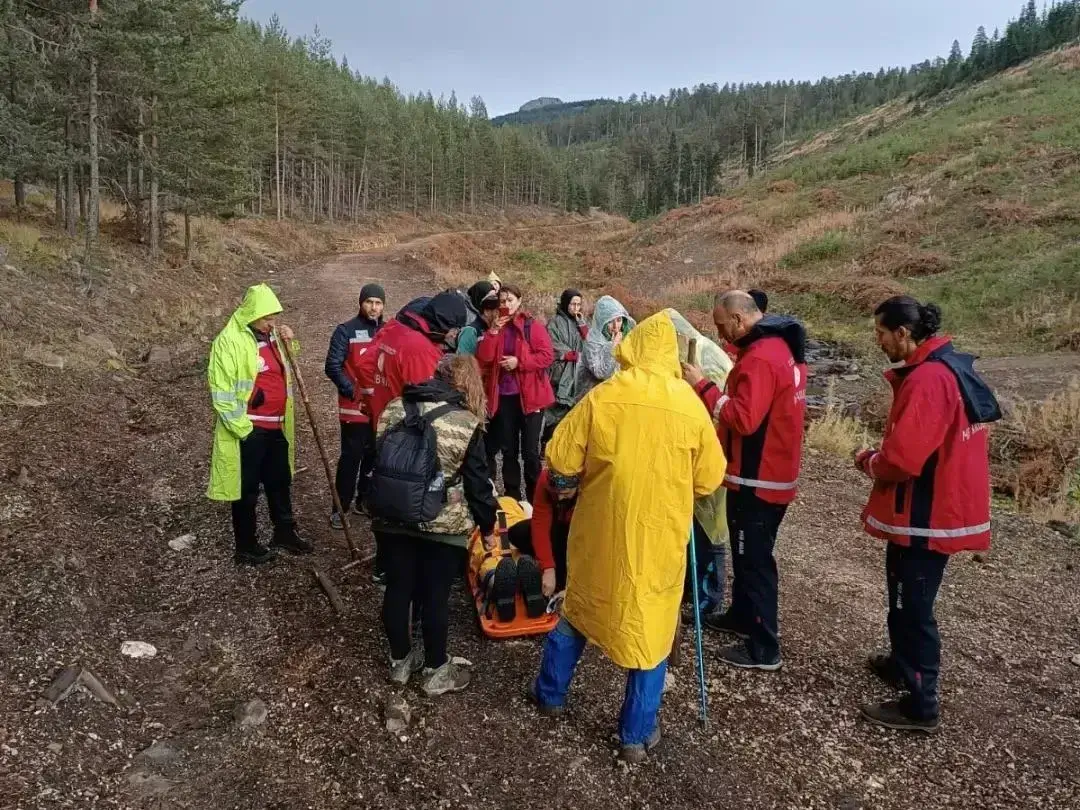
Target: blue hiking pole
point(704, 714)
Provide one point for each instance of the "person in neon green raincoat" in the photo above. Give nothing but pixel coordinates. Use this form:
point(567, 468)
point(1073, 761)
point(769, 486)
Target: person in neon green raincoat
point(643, 450)
point(252, 395)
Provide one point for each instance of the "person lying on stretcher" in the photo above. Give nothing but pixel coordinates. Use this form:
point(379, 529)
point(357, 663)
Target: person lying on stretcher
point(528, 554)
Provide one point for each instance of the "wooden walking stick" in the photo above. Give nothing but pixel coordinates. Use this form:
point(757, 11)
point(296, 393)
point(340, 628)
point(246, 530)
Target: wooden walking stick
point(322, 450)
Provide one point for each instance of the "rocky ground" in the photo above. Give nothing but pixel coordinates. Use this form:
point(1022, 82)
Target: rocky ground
point(259, 696)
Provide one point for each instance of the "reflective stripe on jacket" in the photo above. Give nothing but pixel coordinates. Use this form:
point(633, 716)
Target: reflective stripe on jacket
point(932, 473)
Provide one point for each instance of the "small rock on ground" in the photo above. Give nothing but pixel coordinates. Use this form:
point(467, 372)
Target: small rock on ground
point(182, 543)
point(398, 715)
point(160, 753)
point(250, 714)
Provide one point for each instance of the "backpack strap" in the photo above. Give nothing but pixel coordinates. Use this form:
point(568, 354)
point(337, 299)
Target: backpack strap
point(439, 411)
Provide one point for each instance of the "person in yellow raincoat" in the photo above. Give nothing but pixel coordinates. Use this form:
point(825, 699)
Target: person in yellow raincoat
point(644, 448)
point(251, 392)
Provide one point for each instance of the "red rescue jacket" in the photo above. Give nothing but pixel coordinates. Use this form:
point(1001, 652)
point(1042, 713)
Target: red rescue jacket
point(269, 398)
point(535, 355)
point(760, 417)
point(932, 473)
point(547, 512)
point(401, 355)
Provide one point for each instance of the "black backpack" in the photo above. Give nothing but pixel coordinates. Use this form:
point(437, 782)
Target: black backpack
point(407, 484)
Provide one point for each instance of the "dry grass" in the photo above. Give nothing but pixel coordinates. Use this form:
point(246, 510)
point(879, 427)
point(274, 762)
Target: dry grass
point(900, 261)
point(742, 228)
point(1036, 454)
point(19, 236)
point(1003, 213)
point(783, 187)
point(834, 432)
point(769, 253)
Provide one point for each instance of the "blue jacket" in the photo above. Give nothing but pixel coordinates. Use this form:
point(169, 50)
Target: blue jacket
point(339, 350)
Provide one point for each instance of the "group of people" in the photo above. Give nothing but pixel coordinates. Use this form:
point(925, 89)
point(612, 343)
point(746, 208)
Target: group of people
point(433, 399)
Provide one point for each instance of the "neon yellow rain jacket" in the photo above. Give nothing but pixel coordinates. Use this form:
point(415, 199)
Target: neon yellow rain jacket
point(234, 365)
point(645, 447)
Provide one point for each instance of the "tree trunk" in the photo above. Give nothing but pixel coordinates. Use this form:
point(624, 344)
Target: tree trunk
point(140, 176)
point(58, 200)
point(187, 233)
point(155, 183)
point(95, 167)
point(82, 192)
point(70, 221)
point(277, 155)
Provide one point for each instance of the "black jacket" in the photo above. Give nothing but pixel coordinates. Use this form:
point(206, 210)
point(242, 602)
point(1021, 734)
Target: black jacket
point(339, 351)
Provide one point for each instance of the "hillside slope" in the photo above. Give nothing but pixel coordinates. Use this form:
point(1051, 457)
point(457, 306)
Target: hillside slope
point(974, 203)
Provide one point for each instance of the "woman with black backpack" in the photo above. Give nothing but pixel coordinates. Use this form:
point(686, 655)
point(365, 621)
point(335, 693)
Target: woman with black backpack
point(429, 490)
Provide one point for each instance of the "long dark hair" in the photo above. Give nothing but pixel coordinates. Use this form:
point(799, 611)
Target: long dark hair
point(921, 320)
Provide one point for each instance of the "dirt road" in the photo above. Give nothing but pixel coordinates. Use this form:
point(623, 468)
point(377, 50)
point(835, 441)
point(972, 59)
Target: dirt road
point(86, 566)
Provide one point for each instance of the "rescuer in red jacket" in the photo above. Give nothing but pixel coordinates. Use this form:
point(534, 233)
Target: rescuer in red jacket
point(931, 496)
point(759, 421)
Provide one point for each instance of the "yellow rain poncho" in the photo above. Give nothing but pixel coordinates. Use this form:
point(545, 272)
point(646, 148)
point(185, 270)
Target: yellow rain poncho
point(645, 448)
point(234, 365)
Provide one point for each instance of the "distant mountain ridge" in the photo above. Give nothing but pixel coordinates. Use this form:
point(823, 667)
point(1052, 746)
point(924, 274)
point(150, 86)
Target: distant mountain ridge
point(546, 110)
point(539, 103)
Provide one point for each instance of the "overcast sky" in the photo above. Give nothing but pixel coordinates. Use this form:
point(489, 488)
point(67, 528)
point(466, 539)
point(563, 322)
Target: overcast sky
point(511, 51)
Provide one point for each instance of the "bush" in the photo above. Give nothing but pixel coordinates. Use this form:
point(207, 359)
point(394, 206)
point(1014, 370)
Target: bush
point(827, 246)
point(833, 432)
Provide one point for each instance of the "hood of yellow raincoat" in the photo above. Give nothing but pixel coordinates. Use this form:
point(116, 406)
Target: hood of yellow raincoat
point(652, 345)
point(259, 302)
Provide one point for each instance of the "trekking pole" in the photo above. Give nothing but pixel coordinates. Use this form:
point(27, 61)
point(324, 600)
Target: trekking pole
point(691, 358)
point(322, 451)
point(704, 714)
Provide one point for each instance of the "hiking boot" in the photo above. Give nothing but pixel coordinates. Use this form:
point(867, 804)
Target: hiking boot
point(448, 678)
point(336, 522)
point(530, 581)
point(256, 555)
point(401, 671)
point(891, 714)
point(379, 578)
point(360, 509)
point(639, 752)
point(884, 666)
point(504, 588)
point(725, 623)
point(738, 655)
point(289, 540)
point(543, 708)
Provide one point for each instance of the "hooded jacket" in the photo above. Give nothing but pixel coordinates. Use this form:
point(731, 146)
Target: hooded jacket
point(230, 375)
point(407, 350)
point(568, 341)
point(644, 448)
point(598, 352)
point(760, 417)
point(932, 473)
point(534, 354)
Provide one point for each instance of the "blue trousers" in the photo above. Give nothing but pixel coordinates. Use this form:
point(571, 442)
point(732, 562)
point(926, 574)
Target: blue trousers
point(641, 704)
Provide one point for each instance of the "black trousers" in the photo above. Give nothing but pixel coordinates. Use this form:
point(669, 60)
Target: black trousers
point(914, 576)
point(418, 572)
point(355, 463)
point(520, 535)
point(264, 462)
point(515, 433)
point(755, 588)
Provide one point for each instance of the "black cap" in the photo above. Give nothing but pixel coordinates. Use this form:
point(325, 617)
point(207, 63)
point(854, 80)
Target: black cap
point(372, 291)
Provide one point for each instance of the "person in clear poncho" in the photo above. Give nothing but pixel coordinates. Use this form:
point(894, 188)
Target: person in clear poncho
point(610, 324)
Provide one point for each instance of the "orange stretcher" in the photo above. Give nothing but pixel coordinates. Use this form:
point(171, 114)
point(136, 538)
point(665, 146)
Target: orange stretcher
point(490, 625)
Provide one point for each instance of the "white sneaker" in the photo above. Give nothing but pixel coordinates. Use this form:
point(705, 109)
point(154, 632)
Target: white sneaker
point(450, 677)
point(401, 671)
